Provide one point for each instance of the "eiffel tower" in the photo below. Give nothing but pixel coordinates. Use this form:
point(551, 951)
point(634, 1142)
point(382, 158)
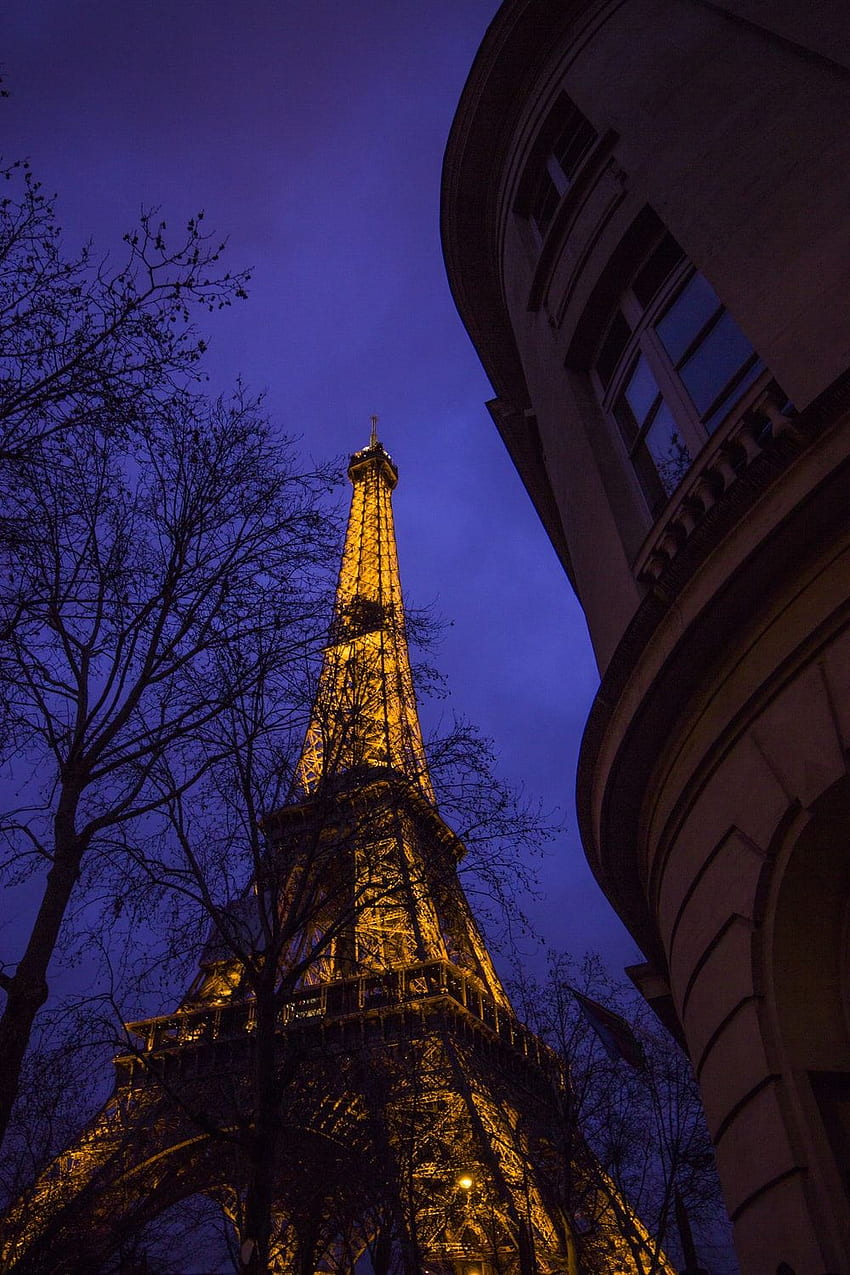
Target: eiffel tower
point(416, 1127)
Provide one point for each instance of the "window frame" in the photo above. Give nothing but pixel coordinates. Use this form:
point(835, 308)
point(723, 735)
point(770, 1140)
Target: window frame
point(694, 427)
point(545, 180)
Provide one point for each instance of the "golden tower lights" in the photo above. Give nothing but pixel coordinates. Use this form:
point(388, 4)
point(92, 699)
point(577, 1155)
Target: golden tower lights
point(423, 1123)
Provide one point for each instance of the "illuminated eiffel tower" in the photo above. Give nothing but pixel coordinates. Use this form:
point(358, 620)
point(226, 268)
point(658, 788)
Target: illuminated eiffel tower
point(419, 1127)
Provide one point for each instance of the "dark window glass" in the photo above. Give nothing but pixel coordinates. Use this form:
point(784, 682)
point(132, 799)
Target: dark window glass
point(687, 316)
point(625, 418)
point(695, 351)
point(544, 202)
point(720, 356)
point(642, 390)
point(667, 448)
point(737, 387)
point(573, 142)
point(649, 480)
point(612, 349)
point(657, 269)
point(563, 143)
point(660, 455)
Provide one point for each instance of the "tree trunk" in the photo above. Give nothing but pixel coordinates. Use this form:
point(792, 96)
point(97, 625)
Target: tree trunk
point(259, 1199)
point(26, 990)
point(382, 1251)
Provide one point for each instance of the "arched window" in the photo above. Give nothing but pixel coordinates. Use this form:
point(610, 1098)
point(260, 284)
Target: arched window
point(671, 366)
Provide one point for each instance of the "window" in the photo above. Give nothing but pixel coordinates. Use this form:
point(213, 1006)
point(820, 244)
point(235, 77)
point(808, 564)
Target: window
point(564, 141)
point(671, 365)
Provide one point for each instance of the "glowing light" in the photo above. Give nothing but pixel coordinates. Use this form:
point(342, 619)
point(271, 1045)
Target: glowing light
point(365, 722)
point(365, 711)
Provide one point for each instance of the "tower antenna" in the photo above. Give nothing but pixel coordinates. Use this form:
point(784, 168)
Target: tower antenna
point(373, 437)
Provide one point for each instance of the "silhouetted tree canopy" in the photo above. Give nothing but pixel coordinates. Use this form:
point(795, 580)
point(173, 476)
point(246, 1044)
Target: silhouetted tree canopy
point(159, 553)
point(643, 1123)
point(87, 344)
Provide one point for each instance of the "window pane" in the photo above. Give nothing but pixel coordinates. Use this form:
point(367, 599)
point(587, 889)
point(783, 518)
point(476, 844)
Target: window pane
point(667, 448)
point(612, 348)
point(544, 202)
point(570, 148)
point(722, 353)
point(642, 390)
point(561, 147)
point(625, 418)
point(736, 391)
point(657, 269)
point(687, 316)
point(656, 496)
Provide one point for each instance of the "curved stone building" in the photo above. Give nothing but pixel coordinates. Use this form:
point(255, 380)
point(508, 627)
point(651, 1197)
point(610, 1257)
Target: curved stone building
point(646, 225)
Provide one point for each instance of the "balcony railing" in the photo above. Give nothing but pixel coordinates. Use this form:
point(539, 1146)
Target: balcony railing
point(430, 983)
point(760, 419)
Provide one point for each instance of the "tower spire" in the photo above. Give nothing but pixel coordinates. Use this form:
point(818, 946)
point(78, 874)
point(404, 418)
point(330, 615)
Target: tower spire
point(364, 717)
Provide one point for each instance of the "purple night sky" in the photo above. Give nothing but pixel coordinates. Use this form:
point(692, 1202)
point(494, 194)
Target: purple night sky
point(312, 132)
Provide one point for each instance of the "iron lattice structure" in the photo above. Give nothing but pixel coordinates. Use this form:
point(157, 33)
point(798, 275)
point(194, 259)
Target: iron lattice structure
point(416, 1121)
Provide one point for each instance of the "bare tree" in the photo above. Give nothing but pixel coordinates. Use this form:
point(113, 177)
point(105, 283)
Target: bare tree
point(154, 591)
point(503, 828)
point(138, 566)
point(263, 885)
point(637, 1127)
point(86, 344)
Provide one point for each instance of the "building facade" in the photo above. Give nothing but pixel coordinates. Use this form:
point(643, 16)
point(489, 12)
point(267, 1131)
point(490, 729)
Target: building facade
point(645, 223)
